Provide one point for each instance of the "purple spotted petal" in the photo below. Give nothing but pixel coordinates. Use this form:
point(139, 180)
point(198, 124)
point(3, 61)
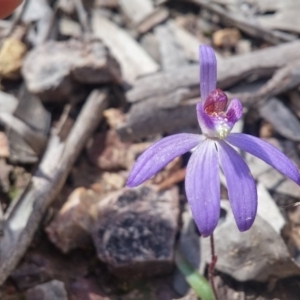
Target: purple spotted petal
point(160, 154)
point(234, 111)
point(202, 185)
point(240, 184)
point(208, 71)
point(266, 152)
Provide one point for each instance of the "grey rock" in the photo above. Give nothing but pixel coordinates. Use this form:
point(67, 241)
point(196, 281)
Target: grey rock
point(258, 254)
point(135, 229)
point(56, 71)
point(48, 291)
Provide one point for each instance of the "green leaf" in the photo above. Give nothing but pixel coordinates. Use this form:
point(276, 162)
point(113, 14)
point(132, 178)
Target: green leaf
point(197, 282)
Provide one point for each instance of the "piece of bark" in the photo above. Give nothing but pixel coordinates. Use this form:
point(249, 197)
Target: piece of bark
point(230, 71)
point(188, 42)
point(150, 43)
point(150, 119)
point(40, 13)
point(8, 102)
point(68, 27)
point(164, 95)
point(67, 6)
point(284, 79)
point(138, 120)
point(158, 16)
point(68, 65)
point(136, 10)
point(24, 218)
point(28, 133)
point(107, 3)
point(282, 119)
point(135, 230)
point(133, 59)
point(243, 24)
point(82, 16)
point(171, 54)
point(284, 16)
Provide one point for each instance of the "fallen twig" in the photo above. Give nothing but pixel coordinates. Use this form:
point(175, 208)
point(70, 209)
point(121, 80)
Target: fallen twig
point(273, 37)
point(168, 95)
point(23, 221)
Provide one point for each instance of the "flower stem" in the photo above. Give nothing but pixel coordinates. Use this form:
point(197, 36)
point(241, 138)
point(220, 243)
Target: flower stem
point(211, 268)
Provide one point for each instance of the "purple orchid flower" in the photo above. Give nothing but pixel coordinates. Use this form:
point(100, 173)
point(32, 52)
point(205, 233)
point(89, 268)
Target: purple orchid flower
point(213, 149)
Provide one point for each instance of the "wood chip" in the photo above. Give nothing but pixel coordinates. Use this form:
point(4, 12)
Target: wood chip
point(132, 57)
point(156, 17)
point(136, 10)
point(171, 53)
point(70, 64)
point(230, 71)
point(283, 120)
point(188, 42)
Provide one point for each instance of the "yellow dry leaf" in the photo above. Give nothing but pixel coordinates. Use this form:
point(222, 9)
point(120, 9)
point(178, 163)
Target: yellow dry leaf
point(11, 58)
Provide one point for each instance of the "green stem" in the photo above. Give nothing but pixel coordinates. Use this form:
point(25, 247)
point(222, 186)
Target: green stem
point(198, 282)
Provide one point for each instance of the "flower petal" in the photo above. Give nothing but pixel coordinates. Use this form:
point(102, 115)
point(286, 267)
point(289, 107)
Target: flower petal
point(202, 185)
point(241, 186)
point(208, 71)
point(160, 154)
point(267, 153)
point(234, 111)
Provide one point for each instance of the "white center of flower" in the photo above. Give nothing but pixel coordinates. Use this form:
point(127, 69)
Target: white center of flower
point(222, 128)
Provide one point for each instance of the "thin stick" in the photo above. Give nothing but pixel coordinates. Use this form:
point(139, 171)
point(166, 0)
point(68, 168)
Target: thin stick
point(46, 183)
point(83, 16)
point(17, 17)
point(211, 268)
point(273, 37)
